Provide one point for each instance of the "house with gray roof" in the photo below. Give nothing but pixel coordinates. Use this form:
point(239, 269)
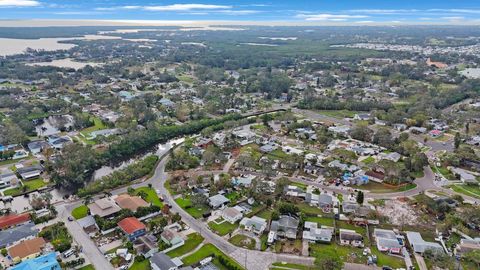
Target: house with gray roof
point(254, 224)
point(285, 226)
point(10, 236)
point(30, 171)
point(218, 201)
point(351, 238)
point(419, 245)
point(349, 207)
point(36, 147)
point(387, 241)
point(312, 233)
point(160, 261)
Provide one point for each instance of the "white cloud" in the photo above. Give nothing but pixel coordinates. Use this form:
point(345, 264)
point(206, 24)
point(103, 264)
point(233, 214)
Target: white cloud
point(185, 7)
point(453, 18)
point(383, 11)
point(456, 10)
point(362, 22)
point(330, 17)
point(238, 12)
point(19, 3)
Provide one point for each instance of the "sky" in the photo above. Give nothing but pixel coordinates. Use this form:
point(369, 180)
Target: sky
point(351, 12)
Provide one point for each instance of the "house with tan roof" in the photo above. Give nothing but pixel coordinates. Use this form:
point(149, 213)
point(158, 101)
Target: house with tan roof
point(126, 201)
point(104, 207)
point(26, 249)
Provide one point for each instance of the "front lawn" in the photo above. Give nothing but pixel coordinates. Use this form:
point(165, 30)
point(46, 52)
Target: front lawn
point(283, 265)
point(80, 212)
point(469, 190)
point(222, 228)
point(152, 196)
point(375, 187)
point(31, 185)
point(194, 211)
point(241, 240)
point(193, 240)
point(207, 251)
point(87, 267)
point(143, 265)
point(309, 210)
point(369, 160)
point(97, 125)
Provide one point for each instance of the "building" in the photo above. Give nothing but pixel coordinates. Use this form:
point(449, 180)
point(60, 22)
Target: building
point(11, 220)
point(285, 226)
point(26, 249)
point(465, 176)
point(88, 224)
point(132, 227)
point(126, 201)
point(171, 237)
point(13, 235)
point(30, 172)
point(467, 245)
point(362, 116)
point(45, 262)
point(105, 207)
point(254, 224)
point(231, 215)
point(419, 245)
point(37, 147)
point(160, 261)
point(244, 180)
point(312, 233)
point(350, 238)
point(8, 179)
point(349, 207)
point(387, 241)
point(218, 201)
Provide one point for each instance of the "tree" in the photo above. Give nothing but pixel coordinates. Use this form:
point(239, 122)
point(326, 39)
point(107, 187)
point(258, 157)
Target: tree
point(328, 260)
point(360, 197)
point(457, 140)
point(473, 257)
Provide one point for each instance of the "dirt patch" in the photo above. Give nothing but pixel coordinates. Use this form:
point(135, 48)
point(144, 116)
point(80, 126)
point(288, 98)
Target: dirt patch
point(399, 212)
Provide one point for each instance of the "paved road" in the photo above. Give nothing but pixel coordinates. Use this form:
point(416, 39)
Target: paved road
point(91, 251)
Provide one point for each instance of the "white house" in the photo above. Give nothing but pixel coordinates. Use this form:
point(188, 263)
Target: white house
point(231, 215)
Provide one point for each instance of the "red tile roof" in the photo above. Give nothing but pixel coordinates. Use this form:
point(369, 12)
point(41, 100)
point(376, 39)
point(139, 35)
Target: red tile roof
point(13, 219)
point(130, 225)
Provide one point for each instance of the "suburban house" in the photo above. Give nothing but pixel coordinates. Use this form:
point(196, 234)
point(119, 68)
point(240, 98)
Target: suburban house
point(362, 116)
point(26, 249)
point(10, 236)
point(126, 201)
point(132, 227)
point(58, 142)
point(12, 220)
point(146, 245)
point(419, 245)
point(254, 224)
point(218, 201)
point(285, 226)
point(244, 180)
point(393, 156)
point(30, 171)
point(8, 179)
point(312, 233)
point(160, 261)
point(231, 215)
point(45, 262)
point(350, 238)
point(105, 207)
point(171, 237)
point(37, 147)
point(349, 207)
point(88, 224)
point(435, 133)
point(387, 241)
point(465, 176)
point(467, 245)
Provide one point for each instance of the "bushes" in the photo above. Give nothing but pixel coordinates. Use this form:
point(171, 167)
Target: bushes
point(227, 263)
point(121, 177)
point(58, 235)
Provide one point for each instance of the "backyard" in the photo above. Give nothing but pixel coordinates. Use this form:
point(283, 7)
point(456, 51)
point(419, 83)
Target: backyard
point(152, 196)
point(186, 204)
point(30, 185)
point(193, 240)
point(206, 251)
point(222, 228)
point(241, 240)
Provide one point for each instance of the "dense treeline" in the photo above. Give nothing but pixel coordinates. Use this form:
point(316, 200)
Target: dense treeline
point(325, 103)
point(121, 177)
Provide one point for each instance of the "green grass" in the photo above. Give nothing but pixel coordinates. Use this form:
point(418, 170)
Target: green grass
point(469, 190)
point(185, 78)
point(87, 267)
point(186, 204)
point(80, 212)
point(143, 265)
point(445, 172)
point(277, 154)
point(375, 187)
point(300, 185)
point(233, 196)
point(324, 221)
point(354, 255)
point(369, 160)
point(31, 185)
point(239, 238)
point(193, 240)
point(152, 196)
point(309, 210)
point(97, 125)
point(223, 228)
point(265, 213)
point(207, 251)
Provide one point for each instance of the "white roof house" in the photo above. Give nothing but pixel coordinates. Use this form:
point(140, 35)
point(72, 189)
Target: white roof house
point(419, 245)
point(217, 201)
